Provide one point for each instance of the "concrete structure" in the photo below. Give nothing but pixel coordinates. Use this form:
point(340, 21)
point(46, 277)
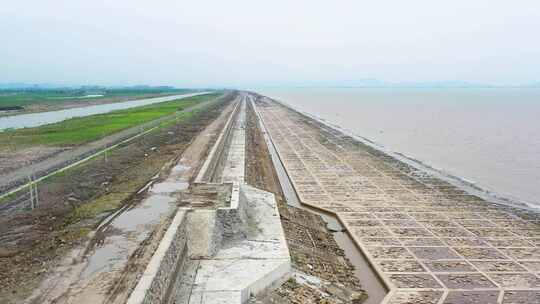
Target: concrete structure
point(429, 241)
point(253, 254)
point(221, 252)
point(157, 282)
point(248, 262)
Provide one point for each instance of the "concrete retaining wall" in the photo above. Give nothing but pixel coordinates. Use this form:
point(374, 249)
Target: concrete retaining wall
point(208, 229)
point(208, 169)
point(234, 218)
point(205, 233)
point(156, 283)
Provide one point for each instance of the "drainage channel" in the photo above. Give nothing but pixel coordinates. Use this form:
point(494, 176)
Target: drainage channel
point(367, 276)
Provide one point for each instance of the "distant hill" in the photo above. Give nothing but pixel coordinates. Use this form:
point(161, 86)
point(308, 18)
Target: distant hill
point(374, 83)
point(443, 84)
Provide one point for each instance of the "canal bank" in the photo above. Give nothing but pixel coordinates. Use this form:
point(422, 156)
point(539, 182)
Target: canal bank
point(38, 119)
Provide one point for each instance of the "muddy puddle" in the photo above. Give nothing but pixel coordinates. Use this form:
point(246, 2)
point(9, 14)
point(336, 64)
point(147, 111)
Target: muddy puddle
point(367, 276)
point(125, 230)
point(125, 234)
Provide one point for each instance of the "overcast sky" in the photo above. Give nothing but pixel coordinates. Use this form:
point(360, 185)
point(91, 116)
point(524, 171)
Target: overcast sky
point(252, 43)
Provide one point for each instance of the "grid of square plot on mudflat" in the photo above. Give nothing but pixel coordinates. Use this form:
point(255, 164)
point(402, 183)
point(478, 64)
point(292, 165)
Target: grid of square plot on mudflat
point(429, 241)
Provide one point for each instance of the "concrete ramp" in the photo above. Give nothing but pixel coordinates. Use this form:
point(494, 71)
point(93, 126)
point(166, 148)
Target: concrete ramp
point(250, 264)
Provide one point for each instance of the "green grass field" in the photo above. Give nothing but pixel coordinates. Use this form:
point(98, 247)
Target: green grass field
point(80, 130)
point(10, 98)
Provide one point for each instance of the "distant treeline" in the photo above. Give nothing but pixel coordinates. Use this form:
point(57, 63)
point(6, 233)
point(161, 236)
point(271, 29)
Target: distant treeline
point(11, 108)
point(97, 89)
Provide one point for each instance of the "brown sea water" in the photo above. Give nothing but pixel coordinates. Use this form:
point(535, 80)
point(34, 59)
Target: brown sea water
point(490, 137)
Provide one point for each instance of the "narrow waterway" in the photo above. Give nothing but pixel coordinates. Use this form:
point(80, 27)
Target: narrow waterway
point(367, 276)
point(43, 118)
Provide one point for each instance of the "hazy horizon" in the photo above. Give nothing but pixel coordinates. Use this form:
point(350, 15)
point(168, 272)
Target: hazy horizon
point(279, 43)
point(359, 84)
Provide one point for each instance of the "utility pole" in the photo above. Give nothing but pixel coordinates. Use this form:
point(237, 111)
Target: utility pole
point(35, 190)
point(142, 134)
point(105, 151)
point(31, 193)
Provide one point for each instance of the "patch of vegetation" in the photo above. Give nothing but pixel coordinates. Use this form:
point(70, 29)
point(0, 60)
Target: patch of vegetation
point(81, 130)
point(28, 96)
point(10, 108)
point(108, 202)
